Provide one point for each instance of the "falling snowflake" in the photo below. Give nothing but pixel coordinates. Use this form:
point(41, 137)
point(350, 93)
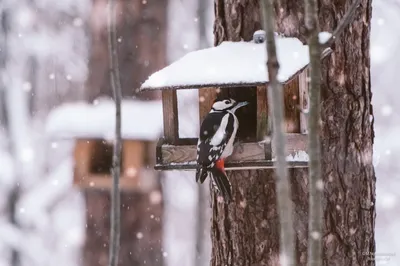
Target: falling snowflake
point(27, 86)
point(131, 172)
point(27, 155)
point(78, 22)
point(139, 235)
point(320, 185)
point(155, 197)
point(386, 110)
point(315, 235)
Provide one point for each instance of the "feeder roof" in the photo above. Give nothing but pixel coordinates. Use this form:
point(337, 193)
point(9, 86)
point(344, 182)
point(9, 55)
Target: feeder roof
point(230, 64)
point(141, 120)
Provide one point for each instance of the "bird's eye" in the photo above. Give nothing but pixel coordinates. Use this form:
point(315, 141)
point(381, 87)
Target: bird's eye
point(227, 102)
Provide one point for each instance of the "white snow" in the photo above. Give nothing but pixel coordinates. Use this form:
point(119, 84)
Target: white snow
point(259, 32)
point(230, 63)
point(324, 36)
point(41, 197)
point(140, 120)
point(298, 156)
point(6, 170)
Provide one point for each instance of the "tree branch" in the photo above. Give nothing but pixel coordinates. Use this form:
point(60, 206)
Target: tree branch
point(275, 100)
point(202, 190)
point(314, 146)
point(343, 23)
point(116, 162)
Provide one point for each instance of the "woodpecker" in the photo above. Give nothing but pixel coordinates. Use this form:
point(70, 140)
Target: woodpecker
point(217, 135)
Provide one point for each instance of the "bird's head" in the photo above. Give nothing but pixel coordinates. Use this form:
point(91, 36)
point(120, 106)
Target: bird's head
point(227, 104)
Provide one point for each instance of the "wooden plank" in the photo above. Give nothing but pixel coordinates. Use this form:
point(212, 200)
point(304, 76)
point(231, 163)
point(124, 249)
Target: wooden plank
point(206, 100)
point(246, 153)
point(82, 157)
point(294, 142)
point(133, 157)
point(150, 150)
point(159, 145)
point(230, 166)
point(263, 121)
point(292, 112)
point(187, 153)
point(304, 100)
point(170, 114)
point(262, 113)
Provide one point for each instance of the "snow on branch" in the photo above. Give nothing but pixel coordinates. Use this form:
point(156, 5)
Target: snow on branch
point(275, 100)
point(343, 23)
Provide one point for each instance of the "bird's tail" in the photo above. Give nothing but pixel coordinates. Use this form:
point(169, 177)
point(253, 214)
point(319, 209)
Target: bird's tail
point(218, 177)
point(221, 183)
point(201, 174)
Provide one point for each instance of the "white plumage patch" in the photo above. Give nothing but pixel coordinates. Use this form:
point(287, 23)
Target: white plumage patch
point(220, 133)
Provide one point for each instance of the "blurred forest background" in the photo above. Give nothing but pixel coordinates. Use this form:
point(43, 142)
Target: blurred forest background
point(53, 57)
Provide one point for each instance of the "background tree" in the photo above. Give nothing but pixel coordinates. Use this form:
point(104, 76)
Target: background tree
point(246, 232)
point(141, 37)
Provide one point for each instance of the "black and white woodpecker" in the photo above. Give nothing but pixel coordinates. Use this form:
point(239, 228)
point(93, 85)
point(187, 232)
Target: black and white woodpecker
point(217, 135)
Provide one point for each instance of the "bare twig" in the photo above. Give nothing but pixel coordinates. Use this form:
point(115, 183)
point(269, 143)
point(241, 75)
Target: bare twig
point(326, 52)
point(314, 146)
point(202, 190)
point(115, 171)
point(343, 23)
point(275, 100)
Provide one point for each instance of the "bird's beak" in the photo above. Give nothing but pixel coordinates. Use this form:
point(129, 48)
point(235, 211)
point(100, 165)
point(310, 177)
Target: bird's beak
point(240, 104)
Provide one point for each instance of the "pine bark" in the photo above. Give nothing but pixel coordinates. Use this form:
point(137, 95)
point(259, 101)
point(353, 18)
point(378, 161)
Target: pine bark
point(245, 233)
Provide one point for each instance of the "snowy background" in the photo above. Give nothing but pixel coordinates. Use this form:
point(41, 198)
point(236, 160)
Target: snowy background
point(43, 58)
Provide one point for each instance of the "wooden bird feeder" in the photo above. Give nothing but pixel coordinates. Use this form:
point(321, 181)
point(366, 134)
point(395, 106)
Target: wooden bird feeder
point(92, 128)
point(237, 70)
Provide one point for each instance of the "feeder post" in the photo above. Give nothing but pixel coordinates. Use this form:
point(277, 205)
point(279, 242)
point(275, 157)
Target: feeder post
point(263, 129)
point(291, 100)
point(206, 100)
point(304, 100)
point(170, 114)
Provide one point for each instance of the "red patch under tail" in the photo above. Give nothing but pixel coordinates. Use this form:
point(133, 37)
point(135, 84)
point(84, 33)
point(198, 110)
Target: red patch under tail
point(220, 164)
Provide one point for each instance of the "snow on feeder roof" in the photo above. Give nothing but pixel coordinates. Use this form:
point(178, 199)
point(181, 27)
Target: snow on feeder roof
point(231, 64)
point(140, 120)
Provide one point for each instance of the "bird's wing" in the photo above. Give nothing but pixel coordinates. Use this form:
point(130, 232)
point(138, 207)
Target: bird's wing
point(215, 132)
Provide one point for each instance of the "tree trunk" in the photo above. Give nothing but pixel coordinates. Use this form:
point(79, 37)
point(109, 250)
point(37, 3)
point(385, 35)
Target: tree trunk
point(141, 51)
point(141, 28)
point(246, 231)
point(141, 230)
